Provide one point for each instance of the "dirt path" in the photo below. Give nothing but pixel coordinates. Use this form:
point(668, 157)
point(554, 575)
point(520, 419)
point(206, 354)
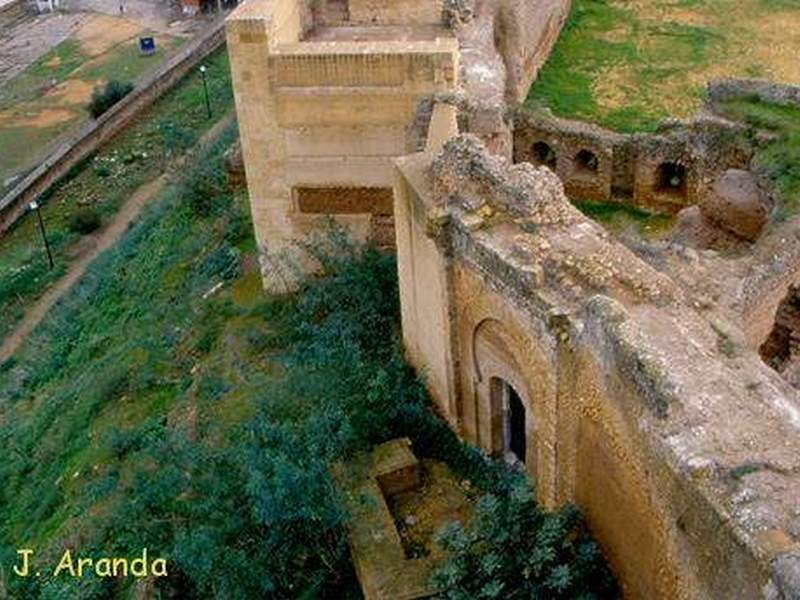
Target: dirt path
point(97, 244)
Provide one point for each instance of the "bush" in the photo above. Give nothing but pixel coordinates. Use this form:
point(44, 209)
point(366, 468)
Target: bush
point(85, 221)
point(513, 549)
point(104, 97)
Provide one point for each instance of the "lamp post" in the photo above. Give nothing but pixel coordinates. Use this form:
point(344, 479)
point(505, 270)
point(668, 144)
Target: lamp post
point(205, 89)
point(35, 207)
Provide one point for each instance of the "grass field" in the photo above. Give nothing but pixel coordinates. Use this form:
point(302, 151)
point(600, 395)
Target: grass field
point(619, 217)
point(142, 151)
point(51, 96)
point(628, 64)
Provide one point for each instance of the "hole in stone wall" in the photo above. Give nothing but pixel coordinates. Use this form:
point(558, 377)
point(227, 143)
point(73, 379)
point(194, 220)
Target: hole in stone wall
point(671, 179)
point(543, 154)
point(781, 351)
point(586, 161)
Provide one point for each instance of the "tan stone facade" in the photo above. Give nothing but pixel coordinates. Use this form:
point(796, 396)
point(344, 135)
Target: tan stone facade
point(630, 408)
point(327, 107)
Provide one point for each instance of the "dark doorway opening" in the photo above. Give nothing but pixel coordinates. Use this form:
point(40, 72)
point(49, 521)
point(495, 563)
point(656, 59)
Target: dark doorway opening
point(782, 347)
point(586, 162)
point(516, 425)
point(543, 154)
point(671, 179)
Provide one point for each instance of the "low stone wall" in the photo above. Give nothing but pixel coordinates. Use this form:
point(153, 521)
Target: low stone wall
point(664, 171)
point(94, 133)
point(729, 89)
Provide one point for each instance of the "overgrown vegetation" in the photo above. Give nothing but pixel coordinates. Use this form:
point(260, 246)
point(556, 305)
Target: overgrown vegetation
point(106, 96)
point(627, 65)
point(202, 423)
point(513, 549)
point(779, 157)
point(143, 151)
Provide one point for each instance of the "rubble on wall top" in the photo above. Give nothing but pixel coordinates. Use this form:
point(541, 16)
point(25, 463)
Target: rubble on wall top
point(521, 217)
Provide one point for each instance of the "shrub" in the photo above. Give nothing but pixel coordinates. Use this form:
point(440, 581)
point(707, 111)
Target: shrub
point(513, 549)
point(86, 220)
point(104, 97)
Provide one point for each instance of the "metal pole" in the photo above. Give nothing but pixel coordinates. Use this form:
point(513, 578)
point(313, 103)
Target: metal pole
point(205, 90)
point(35, 206)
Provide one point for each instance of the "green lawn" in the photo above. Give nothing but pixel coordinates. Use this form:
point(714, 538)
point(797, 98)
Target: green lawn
point(619, 217)
point(136, 156)
point(628, 64)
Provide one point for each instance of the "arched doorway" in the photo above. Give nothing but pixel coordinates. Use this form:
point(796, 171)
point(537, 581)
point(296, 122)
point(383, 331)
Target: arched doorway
point(509, 422)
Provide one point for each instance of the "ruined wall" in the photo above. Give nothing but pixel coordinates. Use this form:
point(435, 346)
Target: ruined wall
point(630, 410)
point(525, 32)
point(665, 171)
point(322, 114)
point(768, 91)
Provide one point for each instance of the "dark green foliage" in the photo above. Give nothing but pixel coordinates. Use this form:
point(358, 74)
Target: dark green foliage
point(204, 187)
point(85, 221)
point(106, 96)
point(512, 549)
point(224, 262)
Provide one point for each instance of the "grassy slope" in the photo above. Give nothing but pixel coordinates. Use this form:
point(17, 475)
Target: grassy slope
point(145, 412)
point(134, 351)
point(171, 126)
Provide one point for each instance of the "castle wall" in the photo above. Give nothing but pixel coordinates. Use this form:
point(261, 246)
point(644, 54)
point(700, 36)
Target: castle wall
point(643, 427)
point(321, 114)
point(526, 31)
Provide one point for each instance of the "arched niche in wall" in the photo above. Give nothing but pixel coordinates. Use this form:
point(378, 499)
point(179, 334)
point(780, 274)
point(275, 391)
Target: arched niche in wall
point(671, 178)
point(586, 162)
point(544, 155)
point(507, 410)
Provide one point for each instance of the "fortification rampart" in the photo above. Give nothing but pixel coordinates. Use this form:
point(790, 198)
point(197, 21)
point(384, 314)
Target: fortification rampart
point(630, 409)
point(323, 110)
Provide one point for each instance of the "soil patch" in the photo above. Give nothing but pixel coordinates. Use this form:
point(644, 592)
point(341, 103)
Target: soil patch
point(73, 92)
point(48, 117)
point(102, 32)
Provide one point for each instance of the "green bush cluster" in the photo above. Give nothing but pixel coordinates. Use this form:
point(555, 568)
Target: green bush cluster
point(104, 97)
point(85, 221)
